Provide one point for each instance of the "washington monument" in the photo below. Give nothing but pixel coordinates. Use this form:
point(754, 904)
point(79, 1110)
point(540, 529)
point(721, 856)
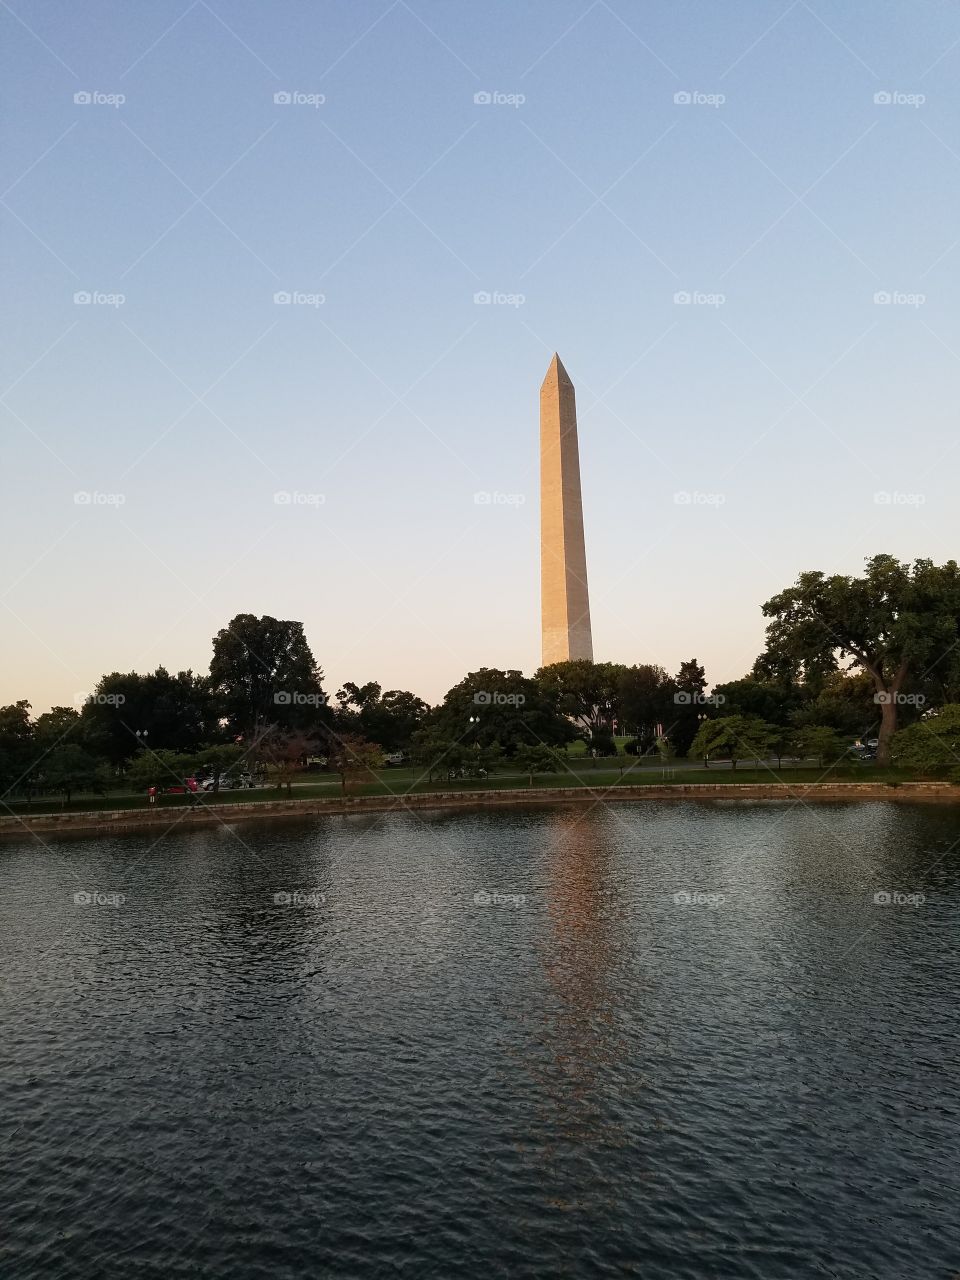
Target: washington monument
point(564, 602)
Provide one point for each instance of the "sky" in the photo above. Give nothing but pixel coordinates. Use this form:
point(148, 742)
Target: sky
point(283, 280)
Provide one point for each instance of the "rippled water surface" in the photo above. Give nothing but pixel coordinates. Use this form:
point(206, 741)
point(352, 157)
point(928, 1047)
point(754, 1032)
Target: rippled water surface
point(380, 1076)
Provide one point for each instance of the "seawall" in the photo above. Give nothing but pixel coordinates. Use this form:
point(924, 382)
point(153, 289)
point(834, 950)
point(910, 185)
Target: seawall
point(203, 813)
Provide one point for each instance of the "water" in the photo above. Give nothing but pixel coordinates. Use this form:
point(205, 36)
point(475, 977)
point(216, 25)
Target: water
point(386, 1078)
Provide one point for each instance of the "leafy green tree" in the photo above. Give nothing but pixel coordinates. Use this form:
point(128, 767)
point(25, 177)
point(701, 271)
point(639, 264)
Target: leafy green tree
point(897, 622)
point(503, 708)
point(932, 744)
point(355, 759)
point(743, 736)
point(264, 673)
point(770, 700)
point(586, 692)
point(169, 712)
point(782, 742)
point(69, 768)
point(843, 701)
point(690, 683)
point(436, 754)
point(220, 758)
point(820, 741)
point(536, 759)
point(160, 769)
point(18, 755)
point(390, 718)
point(57, 726)
point(645, 700)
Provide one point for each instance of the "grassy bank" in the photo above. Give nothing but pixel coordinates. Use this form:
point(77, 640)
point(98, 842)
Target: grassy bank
point(589, 773)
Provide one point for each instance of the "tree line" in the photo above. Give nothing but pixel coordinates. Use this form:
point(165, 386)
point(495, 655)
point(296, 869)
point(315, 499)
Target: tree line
point(844, 657)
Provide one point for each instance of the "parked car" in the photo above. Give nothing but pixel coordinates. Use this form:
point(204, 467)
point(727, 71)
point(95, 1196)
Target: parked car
point(228, 782)
point(186, 787)
point(394, 758)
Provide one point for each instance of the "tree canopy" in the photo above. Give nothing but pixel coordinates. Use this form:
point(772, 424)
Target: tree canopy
point(264, 673)
point(898, 623)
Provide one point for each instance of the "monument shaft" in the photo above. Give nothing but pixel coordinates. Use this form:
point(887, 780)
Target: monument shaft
point(565, 603)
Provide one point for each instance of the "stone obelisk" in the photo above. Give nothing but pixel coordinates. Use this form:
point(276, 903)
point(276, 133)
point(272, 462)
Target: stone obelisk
point(564, 602)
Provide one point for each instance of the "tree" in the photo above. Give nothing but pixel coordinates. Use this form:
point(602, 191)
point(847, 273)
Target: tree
point(499, 708)
point(688, 703)
point(645, 698)
point(168, 712)
point(284, 753)
point(219, 758)
point(56, 726)
point(17, 746)
point(69, 768)
point(843, 701)
point(898, 622)
point(770, 700)
point(586, 692)
point(819, 740)
point(355, 759)
point(932, 744)
point(264, 673)
point(735, 736)
point(390, 718)
point(160, 769)
point(535, 759)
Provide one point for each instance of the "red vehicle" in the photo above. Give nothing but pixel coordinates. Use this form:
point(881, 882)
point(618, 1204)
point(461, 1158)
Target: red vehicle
point(181, 788)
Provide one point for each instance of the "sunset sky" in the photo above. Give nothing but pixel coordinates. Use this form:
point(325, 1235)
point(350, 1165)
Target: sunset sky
point(792, 171)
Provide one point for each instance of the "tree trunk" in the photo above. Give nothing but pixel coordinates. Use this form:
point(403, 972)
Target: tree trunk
point(888, 727)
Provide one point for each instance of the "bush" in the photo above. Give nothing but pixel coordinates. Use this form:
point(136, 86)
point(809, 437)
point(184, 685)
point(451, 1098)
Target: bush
point(603, 744)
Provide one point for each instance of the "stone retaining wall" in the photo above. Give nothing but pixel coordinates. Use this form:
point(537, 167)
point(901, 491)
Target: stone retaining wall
point(96, 823)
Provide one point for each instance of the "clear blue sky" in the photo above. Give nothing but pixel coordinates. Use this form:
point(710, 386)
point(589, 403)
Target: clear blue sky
point(597, 198)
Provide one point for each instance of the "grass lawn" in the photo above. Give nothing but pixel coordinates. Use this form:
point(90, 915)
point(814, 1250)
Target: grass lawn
point(585, 772)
